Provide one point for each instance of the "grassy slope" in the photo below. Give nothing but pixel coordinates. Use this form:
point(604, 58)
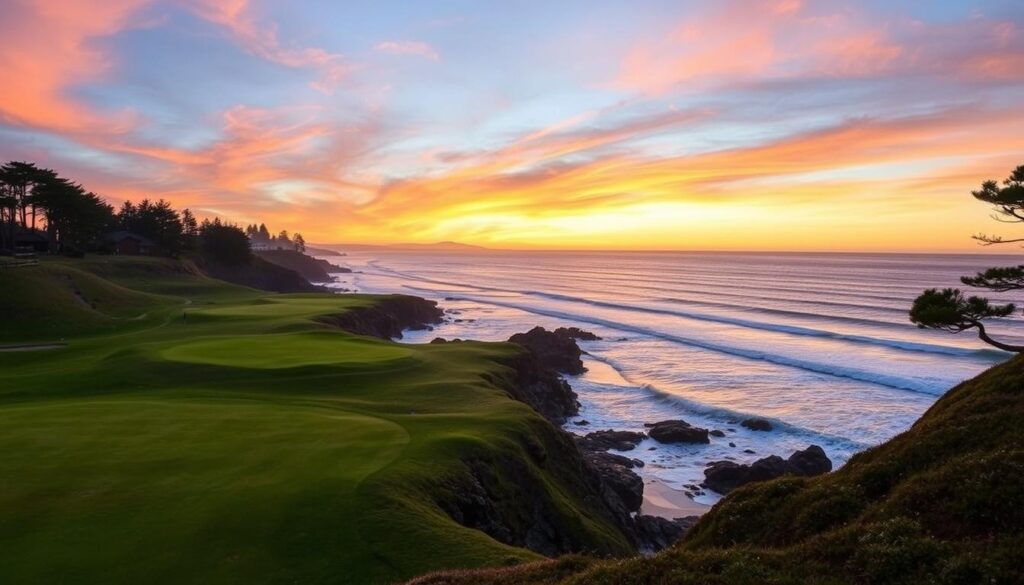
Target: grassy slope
point(941, 503)
point(245, 443)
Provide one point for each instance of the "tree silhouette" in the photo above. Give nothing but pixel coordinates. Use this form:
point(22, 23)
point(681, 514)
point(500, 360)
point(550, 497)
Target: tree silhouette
point(948, 309)
point(300, 242)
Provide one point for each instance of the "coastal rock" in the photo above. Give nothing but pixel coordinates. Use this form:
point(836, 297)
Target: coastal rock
point(388, 317)
point(725, 476)
point(557, 352)
point(757, 424)
point(618, 440)
point(576, 333)
point(541, 388)
point(616, 473)
point(810, 462)
point(258, 273)
point(661, 533)
point(677, 431)
point(716, 433)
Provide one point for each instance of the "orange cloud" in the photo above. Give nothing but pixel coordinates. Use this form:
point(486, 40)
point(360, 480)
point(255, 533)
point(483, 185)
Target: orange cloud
point(46, 50)
point(825, 175)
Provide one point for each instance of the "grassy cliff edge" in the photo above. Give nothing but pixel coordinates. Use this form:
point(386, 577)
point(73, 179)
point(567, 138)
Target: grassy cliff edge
point(941, 503)
point(196, 431)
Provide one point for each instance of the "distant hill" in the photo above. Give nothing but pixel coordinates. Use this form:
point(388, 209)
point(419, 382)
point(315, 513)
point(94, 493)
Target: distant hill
point(437, 246)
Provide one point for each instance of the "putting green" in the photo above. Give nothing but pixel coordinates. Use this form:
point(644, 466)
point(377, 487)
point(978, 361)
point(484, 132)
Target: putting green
point(223, 483)
point(199, 450)
point(286, 351)
point(275, 308)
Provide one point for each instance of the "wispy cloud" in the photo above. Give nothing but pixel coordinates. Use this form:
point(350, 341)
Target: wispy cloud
point(261, 39)
point(828, 122)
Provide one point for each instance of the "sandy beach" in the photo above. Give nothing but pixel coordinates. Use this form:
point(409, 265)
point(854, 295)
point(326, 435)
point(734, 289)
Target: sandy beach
point(666, 502)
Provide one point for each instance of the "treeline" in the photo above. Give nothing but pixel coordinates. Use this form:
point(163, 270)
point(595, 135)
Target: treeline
point(260, 236)
point(75, 220)
point(34, 198)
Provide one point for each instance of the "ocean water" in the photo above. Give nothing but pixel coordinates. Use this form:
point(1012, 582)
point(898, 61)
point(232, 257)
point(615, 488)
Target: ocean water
point(818, 344)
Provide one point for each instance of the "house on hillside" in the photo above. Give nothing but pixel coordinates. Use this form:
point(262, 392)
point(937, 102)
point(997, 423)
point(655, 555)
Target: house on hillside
point(128, 244)
point(29, 240)
point(258, 245)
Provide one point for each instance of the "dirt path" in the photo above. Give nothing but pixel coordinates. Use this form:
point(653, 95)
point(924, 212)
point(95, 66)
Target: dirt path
point(32, 346)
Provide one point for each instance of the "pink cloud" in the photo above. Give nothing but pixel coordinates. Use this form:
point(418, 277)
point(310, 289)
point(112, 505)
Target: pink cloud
point(46, 49)
point(409, 48)
point(262, 40)
point(739, 41)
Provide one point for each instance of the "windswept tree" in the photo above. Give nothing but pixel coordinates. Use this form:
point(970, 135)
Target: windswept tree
point(300, 242)
point(949, 309)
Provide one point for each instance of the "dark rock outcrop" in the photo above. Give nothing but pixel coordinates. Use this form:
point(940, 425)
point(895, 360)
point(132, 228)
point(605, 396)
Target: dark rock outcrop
point(810, 462)
point(604, 440)
point(312, 269)
point(387, 317)
point(757, 424)
point(555, 351)
point(616, 474)
point(677, 431)
point(541, 388)
point(725, 476)
point(659, 533)
point(716, 433)
point(259, 274)
point(576, 333)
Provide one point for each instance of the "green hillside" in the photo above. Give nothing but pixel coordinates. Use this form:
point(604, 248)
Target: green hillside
point(247, 441)
point(941, 503)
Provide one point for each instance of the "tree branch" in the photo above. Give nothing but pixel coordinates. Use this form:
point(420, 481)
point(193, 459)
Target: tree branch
point(983, 335)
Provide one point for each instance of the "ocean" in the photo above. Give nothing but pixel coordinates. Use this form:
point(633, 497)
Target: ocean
point(818, 344)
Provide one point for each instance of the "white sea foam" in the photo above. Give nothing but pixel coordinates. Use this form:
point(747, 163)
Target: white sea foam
point(818, 344)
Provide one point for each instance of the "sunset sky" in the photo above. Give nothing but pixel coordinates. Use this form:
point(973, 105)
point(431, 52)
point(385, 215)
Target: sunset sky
point(666, 125)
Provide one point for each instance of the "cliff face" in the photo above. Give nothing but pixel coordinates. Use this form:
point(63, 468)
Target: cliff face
point(312, 269)
point(940, 503)
point(605, 481)
point(388, 317)
point(542, 388)
point(259, 274)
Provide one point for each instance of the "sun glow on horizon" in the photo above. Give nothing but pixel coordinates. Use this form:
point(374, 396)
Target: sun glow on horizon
point(736, 125)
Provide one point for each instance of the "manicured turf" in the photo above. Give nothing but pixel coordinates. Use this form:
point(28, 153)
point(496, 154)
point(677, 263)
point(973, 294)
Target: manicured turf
point(284, 351)
point(227, 436)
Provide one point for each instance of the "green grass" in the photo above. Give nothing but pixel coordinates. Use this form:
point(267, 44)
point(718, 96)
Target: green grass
point(247, 442)
point(286, 351)
point(942, 503)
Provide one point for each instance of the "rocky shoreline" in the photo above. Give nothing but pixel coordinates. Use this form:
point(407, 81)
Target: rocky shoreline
point(611, 478)
point(388, 317)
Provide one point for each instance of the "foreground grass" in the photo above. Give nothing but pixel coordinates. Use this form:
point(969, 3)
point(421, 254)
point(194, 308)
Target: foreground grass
point(193, 431)
point(942, 503)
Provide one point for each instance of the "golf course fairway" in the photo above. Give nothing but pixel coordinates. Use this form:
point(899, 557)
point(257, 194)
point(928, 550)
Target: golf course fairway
point(196, 431)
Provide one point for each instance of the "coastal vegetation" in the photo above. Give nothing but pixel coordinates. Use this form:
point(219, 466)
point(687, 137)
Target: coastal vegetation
point(949, 309)
point(941, 503)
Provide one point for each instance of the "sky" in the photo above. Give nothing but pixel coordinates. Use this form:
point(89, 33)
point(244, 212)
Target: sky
point(715, 125)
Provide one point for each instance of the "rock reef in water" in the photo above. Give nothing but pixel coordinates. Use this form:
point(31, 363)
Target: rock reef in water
point(677, 431)
point(556, 351)
point(725, 476)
